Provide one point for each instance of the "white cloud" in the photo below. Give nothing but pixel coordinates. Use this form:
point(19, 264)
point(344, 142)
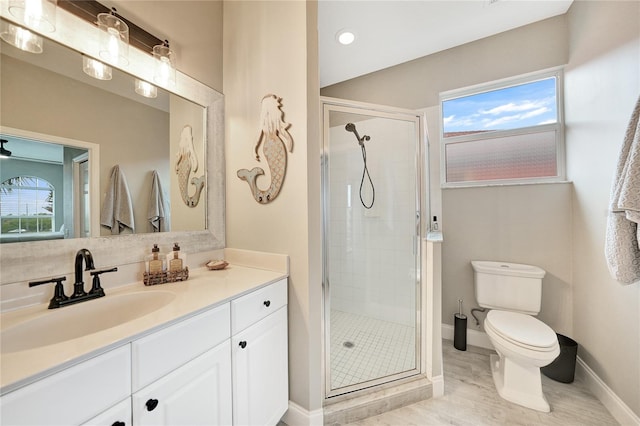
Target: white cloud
point(448, 120)
point(515, 107)
point(534, 113)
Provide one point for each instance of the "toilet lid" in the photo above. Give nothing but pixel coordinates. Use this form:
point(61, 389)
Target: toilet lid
point(522, 329)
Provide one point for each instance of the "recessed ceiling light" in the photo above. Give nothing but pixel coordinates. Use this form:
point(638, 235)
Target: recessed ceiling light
point(345, 37)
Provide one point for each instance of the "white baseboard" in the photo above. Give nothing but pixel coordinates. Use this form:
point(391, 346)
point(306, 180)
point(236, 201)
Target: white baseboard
point(298, 416)
point(474, 337)
point(438, 386)
point(618, 409)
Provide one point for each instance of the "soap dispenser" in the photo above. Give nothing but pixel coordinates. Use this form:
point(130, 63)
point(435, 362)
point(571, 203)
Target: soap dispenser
point(176, 260)
point(155, 261)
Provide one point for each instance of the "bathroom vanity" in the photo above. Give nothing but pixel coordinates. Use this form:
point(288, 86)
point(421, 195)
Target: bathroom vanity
point(210, 350)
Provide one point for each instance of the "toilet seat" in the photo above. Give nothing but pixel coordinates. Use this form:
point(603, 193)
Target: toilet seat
point(522, 330)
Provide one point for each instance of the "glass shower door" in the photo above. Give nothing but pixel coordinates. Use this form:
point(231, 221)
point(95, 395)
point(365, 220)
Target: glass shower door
point(371, 247)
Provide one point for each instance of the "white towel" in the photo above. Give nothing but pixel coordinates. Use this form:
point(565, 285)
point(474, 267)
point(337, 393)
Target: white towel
point(117, 210)
point(622, 246)
point(158, 212)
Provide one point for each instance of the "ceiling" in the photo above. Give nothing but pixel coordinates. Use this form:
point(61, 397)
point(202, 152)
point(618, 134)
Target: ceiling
point(392, 32)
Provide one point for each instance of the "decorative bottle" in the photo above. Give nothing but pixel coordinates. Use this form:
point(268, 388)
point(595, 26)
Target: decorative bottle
point(155, 261)
point(176, 260)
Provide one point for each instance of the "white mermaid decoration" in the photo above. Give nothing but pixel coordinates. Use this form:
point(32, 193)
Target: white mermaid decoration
point(187, 163)
point(273, 131)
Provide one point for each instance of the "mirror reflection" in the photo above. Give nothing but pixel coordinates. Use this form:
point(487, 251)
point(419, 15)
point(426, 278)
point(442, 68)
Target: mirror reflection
point(44, 191)
point(48, 94)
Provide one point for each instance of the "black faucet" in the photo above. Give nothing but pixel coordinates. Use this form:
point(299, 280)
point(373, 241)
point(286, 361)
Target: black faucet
point(78, 286)
point(79, 295)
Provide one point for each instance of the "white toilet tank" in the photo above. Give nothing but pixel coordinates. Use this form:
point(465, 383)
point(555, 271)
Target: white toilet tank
point(508, 286)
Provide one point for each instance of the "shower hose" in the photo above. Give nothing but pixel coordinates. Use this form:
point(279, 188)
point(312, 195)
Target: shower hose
point(365, 172)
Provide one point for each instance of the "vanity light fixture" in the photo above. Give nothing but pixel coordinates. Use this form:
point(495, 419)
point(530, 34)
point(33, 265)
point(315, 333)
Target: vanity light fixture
point(146, 89)
point(114, 38)
point(96, 69)
point(21, 38)
point(4, 153)
point(37, 14)
point(165, 65)
point(345, 37)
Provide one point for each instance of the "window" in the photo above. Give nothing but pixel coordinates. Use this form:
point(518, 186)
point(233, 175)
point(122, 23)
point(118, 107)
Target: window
point(505, 132)
point(26, 205)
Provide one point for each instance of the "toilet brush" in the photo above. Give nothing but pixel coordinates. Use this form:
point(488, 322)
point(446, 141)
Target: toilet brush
point(460, 329)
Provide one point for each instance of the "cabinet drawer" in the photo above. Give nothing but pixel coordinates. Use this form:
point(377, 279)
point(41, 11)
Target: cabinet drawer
point(164, 351)
point(118, 415)
point(74, 395)
point(256, 305)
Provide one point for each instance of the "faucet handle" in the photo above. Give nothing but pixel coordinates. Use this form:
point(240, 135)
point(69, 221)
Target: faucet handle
point(103, 271)
point(50, 280)
point(96, 289)
point(58, 292)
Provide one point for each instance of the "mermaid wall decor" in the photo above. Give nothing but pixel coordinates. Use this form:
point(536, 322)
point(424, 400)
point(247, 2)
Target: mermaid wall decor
point(277, 140)
point(186, 164)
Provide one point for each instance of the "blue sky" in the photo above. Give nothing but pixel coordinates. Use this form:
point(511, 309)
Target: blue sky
point(529, 104)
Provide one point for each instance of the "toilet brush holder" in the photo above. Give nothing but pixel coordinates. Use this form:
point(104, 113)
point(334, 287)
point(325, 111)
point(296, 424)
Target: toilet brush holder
point(460, 329)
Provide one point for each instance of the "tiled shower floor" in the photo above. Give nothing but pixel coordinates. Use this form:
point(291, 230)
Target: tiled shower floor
point(380, 348)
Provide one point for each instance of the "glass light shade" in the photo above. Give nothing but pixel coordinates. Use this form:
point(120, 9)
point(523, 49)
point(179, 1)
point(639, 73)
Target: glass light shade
point(37, 14)
point(114, 39)
point(96, 69)
point(165, 66)
point(20, 38)
point(145, 89)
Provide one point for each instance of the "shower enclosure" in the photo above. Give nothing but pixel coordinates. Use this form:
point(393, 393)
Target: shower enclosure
point(371, 217)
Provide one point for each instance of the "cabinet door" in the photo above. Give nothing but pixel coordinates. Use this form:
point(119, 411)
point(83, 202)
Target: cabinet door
point(118, 415)
point(198, 393)
point(71, 396)
point(260, 371)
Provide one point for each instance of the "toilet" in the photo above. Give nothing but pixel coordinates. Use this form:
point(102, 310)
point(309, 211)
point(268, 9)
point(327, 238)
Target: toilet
point(513, 293)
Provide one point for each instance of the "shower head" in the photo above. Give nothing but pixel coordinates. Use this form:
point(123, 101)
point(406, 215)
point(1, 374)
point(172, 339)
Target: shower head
point(350, 127)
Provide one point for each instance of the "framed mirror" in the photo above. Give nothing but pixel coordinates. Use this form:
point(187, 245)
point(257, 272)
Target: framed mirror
point(197, 106)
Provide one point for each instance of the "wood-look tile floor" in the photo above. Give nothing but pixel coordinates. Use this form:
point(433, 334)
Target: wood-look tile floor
point(470, 398)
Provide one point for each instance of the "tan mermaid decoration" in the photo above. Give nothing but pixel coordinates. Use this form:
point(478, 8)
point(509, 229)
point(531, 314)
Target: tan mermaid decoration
point(273, 131)
point(187, 163)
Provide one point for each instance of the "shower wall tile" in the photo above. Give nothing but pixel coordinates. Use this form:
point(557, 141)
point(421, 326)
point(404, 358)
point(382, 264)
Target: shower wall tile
point(372, 263)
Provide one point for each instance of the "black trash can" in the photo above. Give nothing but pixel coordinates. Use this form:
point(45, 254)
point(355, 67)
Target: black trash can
point(563, 368)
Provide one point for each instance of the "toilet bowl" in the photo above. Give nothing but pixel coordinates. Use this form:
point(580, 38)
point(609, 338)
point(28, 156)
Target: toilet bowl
point(513, 293)
point(524, 344)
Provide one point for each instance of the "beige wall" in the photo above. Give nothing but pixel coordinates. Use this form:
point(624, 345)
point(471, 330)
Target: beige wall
point(193, 28)
point(130, 134)
point(268, 47)
point(602, 85)
point(519, 223)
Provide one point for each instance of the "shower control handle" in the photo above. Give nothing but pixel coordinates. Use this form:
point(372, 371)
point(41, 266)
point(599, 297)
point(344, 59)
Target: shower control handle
point(243, 344)
point(267, 303)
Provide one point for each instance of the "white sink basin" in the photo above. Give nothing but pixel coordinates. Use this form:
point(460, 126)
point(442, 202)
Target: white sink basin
point(72, 322)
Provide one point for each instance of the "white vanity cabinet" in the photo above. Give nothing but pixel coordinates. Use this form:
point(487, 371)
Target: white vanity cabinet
point(195, 394)
point(74, 395)
point(224, 365)
point(182, 374)
point(260, 356)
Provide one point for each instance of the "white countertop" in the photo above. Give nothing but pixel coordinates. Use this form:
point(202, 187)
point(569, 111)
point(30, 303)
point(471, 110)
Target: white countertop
point(204, 289)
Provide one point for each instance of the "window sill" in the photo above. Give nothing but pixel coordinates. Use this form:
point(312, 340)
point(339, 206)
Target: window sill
point(488, 185)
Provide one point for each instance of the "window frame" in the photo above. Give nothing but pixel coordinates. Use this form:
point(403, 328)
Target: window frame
point(558, 127)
